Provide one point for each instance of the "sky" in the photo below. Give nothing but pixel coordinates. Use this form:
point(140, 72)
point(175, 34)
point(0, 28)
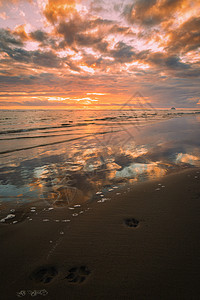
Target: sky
point(93, 54)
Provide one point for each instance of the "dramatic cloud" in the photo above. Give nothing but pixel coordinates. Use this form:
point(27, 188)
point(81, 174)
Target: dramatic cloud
point(185, 38)
point(7, 39)
point(153, 12)
point(69, 49)
point(59, 8)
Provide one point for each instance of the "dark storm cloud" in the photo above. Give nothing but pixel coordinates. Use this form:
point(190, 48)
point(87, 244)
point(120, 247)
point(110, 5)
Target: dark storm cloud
point(72, 65)
point(8, 39)
point(123, 52)
point(76, 31)
point(189, 74)
point(14, 80)
point(39, 35)
point(43, 38)
point(79, 32)
point(45, 59)
point(19, 55)
point(166, 61)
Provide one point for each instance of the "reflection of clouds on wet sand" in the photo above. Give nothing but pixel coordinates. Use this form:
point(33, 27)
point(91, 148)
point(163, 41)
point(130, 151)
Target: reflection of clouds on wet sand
point(188, 158)
point(151, 170)
point(87, 171)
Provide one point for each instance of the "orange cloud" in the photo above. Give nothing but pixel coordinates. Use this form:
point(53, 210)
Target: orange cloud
point(153, 12)
point(20, 31)
point(59, 8)
point(186, 37)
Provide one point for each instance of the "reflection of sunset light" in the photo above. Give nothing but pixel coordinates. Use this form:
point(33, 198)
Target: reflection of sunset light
point(187, 158)
point(136, 169)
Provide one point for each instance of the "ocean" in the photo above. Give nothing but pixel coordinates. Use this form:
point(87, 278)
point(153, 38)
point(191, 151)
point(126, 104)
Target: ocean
point(67, 157)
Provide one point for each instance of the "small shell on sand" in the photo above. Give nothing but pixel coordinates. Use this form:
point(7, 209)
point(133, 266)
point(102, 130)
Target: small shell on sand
point(22, 293)
point(103, 200)
point(8, 217)
point(75, 215)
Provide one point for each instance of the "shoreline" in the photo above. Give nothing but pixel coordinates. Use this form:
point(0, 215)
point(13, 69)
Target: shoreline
point(101, 250)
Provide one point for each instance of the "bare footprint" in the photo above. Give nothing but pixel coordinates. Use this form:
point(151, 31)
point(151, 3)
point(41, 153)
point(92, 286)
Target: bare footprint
point(131, 222)
point(44, 274)
point(77, 275)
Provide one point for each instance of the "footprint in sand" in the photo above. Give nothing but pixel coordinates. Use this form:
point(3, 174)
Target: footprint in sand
point(131, 222)
point(44, 274)
point(77, 275)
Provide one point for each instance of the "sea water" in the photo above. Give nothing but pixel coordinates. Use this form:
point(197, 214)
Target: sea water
point(63, 157)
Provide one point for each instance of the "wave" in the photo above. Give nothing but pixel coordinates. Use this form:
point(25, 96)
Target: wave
point(135, 115)
point(57, 142)
point(34, 137)
point(44, 128)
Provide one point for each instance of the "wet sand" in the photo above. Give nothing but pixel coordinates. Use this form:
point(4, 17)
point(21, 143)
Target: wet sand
point(141, 244)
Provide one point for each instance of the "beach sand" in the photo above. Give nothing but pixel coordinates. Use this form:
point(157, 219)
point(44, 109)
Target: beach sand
point(104, 253)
